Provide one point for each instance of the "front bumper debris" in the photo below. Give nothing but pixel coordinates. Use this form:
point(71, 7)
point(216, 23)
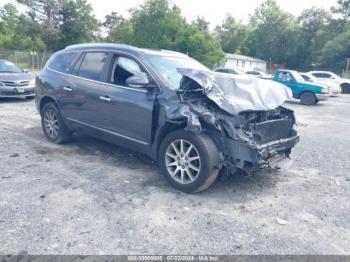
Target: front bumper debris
point(253, 158)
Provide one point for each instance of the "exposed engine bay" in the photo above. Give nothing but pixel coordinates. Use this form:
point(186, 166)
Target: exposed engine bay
point(249, 139)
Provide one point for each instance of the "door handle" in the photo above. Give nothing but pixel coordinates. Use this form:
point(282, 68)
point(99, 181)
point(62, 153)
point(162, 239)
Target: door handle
point(66, 88)
point(105, 98)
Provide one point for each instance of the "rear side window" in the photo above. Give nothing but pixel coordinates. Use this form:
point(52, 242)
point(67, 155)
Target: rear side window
point(64, 62)
point(222, 70)
point(92, 65)
point(322, 75)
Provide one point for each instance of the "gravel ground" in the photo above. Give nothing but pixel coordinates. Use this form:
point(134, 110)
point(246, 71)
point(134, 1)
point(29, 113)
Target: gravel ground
point(90, 197)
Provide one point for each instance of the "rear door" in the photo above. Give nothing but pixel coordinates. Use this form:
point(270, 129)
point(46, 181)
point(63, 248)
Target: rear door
point(62, 83)
point(85, 106)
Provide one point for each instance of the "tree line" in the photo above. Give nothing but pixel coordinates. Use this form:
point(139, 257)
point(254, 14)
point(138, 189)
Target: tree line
point(318, 38)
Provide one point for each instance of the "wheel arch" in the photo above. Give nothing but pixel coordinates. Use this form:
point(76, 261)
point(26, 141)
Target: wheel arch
point(165, 129)
point(47, 99)
point(168, 127)
point(306, 91)
point(345, 88)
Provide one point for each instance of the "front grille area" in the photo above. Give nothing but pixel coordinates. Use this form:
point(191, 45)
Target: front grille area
point(268, 131)
point(15, 84)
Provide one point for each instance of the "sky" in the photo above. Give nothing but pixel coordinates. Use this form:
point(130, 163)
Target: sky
point(212, 10)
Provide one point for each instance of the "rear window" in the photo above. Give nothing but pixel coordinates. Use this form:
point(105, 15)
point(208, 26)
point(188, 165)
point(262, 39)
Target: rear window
point(64, 62)
point(92, 65)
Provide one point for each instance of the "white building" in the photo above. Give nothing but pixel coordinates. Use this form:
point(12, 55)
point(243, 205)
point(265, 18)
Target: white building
point(245, 62)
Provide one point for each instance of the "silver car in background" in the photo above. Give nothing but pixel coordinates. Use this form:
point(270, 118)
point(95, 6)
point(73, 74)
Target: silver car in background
point(15, 81)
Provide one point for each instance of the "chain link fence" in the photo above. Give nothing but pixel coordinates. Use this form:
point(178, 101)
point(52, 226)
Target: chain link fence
point(30, 60)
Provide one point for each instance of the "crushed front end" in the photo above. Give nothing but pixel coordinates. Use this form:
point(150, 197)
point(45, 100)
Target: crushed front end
point(259, 139)
point(242, 115)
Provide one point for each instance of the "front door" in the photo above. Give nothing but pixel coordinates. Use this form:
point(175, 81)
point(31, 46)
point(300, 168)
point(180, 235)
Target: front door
point(128, 111)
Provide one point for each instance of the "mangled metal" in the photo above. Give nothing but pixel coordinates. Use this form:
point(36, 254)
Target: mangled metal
point(239, 93)
point(243, 115)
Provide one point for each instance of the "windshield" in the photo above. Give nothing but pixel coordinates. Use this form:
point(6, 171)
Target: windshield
point(167, 67)
point(297, 76)
point(9, 67)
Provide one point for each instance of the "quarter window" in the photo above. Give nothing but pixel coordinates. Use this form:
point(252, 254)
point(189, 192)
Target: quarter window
point(64, 62)
point(92, 65)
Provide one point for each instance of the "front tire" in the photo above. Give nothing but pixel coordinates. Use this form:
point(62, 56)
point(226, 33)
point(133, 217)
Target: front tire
point(308, 99)
point(189, 161)
point(53, 125)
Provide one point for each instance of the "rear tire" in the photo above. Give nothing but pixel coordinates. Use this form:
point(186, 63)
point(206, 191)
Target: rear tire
point(308, 99)
point(191, 167)
point(53, 125)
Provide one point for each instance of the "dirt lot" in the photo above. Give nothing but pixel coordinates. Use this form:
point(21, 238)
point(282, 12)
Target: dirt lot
point(89, 197)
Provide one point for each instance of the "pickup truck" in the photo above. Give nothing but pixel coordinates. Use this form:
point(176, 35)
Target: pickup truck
point(308, 93)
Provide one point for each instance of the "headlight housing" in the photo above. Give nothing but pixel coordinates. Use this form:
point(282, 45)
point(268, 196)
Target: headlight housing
point(325, 90)
point(32, 82)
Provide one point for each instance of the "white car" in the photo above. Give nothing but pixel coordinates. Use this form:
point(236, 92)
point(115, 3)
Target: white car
point(333, 78)
point(229, 70)
point(259, 74)
point(334, 89)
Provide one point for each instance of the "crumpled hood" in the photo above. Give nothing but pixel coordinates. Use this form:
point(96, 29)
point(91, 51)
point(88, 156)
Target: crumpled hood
point(237, 93)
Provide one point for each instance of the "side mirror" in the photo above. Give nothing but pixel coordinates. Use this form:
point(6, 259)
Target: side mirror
point(25, 70)
point(137, 81)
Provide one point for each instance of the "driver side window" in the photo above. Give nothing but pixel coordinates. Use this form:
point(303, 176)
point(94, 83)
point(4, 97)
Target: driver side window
point(123, 68)
point(285, 77)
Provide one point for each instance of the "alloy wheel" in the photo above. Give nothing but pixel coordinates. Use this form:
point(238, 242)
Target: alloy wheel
point(182, 161)
point(51, 123)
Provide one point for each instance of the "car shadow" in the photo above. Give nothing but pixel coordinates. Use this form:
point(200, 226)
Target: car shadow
point(120, 157)
point(297, 103)
point(13, 100)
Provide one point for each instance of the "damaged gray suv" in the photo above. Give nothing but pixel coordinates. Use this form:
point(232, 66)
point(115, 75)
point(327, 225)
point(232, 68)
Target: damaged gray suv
point(194, 122)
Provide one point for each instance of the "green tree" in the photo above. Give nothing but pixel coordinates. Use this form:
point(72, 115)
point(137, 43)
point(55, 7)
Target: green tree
point(231, 34)
point(201, 24)
point(112, 21)
point(78, 24)
point(123, 33)
point(335, 52)
point(343, 9)
point(157, 24)
point(17, 32)
point(312, 22)
point(274, 34)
